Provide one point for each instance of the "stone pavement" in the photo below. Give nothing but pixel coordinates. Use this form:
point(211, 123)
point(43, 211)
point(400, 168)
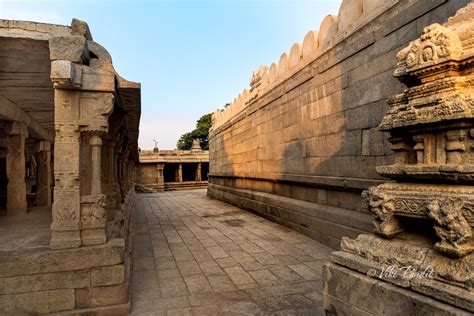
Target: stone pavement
point(194, 255)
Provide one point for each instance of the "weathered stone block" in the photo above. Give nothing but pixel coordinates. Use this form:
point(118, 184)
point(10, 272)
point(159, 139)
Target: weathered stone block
point(351, 292)
point(44, 261)
point(101, 296)
point(109, 275)
point(109, 295)
point(45, 281)
point(42, 302)
point(72, 48)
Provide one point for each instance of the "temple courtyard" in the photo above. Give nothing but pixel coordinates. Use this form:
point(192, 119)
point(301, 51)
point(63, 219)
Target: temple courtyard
point(195, 255)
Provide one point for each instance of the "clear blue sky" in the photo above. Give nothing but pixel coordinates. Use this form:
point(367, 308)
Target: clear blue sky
point(191, 57)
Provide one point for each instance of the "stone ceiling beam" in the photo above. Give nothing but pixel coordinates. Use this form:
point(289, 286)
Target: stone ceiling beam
point(12, 112)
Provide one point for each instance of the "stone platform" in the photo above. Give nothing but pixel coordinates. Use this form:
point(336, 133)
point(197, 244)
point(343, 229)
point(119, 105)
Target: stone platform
point(36, 279)
point(29, 231)
point(194, 255)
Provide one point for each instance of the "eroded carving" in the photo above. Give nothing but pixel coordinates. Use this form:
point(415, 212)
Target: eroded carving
point(382, 207)
point(437, 44)
point(451, 227)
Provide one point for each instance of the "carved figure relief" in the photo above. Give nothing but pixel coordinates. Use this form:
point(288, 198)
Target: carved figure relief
point(382, 207)
point(451, 227)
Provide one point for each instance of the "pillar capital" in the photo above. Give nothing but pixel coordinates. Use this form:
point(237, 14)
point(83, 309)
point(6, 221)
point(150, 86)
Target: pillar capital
point(95, 140)
point(16, 128)
point(43, 145)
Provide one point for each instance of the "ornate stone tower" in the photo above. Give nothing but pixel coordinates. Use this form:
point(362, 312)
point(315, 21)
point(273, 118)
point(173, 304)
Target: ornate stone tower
point(424, 218)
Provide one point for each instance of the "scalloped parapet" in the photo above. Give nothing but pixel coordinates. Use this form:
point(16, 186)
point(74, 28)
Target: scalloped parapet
point(352, 15)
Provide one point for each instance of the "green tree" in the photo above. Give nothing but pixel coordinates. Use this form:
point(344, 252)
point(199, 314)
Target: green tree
point(201, 132)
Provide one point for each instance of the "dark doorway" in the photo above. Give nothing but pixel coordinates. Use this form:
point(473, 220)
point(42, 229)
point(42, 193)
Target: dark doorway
point(204, 170)
point(169, 172)
point(189, 171)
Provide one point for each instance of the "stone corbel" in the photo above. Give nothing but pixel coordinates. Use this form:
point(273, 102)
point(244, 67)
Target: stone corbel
point(66, 74)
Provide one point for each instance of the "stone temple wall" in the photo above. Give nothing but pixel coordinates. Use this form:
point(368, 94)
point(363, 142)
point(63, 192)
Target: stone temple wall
point(302, 143)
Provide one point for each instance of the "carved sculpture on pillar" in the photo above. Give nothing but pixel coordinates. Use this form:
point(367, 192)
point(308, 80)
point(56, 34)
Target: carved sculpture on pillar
point(425, 218)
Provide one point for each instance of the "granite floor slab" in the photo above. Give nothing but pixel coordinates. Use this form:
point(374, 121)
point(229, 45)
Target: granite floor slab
point(198, 256)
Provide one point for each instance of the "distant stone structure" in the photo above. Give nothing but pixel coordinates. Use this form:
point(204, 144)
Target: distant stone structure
point(424, 221)
point(319, 128)
point(68, 154)
point(166, 170)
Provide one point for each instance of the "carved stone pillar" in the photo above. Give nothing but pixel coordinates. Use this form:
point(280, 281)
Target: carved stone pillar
point(78, 219)
point(124, 177)
point(43, 179)
point(160, 178)
point(455, 146)
point(66, 223)
point(111, 177)
point(401, 149)
point(15, 163)
point(179, 174)
point(96, 144)
point(93, 214)
point(198, 172)
point(112, 186)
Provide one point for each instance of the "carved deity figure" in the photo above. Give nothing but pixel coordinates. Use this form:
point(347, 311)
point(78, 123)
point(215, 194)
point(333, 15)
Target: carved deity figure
point(451, 226)
point(382, 207)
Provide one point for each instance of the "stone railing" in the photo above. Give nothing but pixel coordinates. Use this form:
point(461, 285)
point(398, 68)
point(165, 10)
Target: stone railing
point(352, 15)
